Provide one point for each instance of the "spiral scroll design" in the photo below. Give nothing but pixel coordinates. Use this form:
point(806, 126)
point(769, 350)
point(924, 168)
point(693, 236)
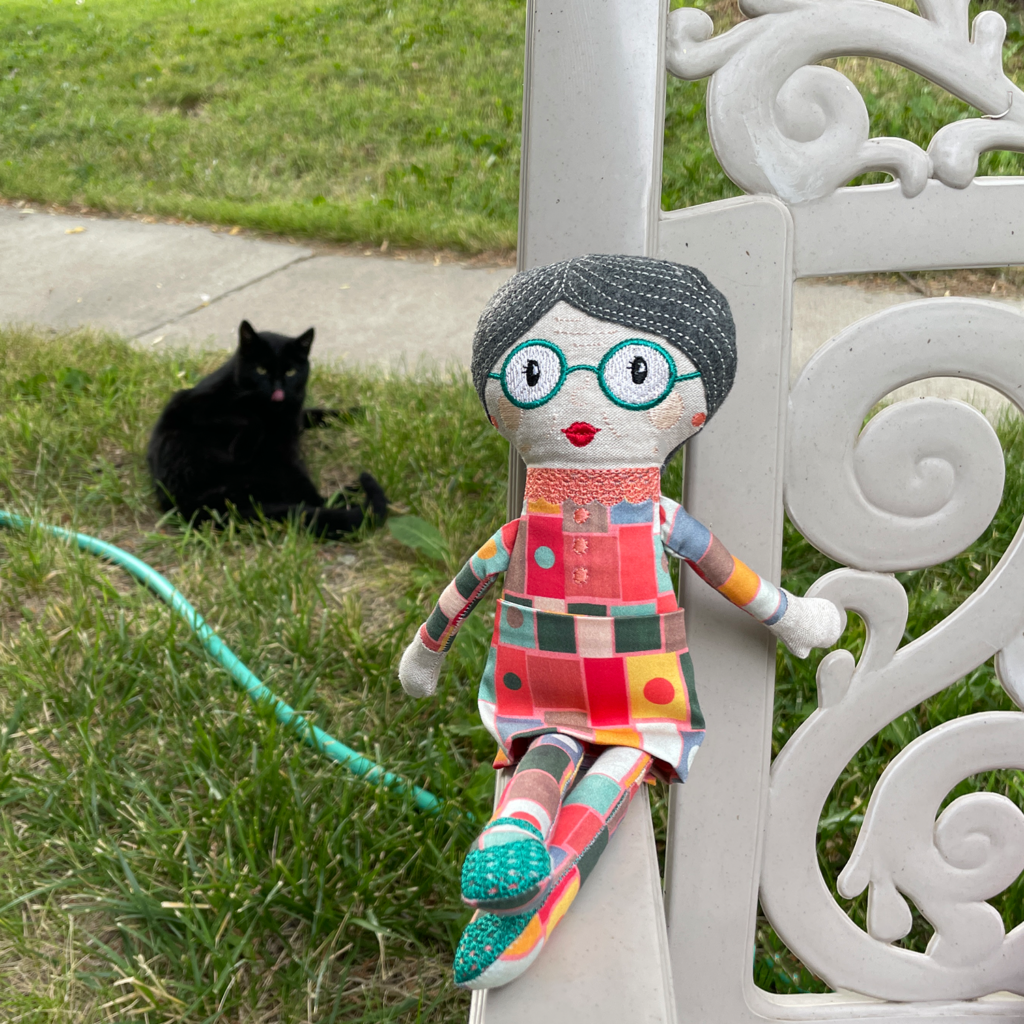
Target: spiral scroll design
point(948, 868)
point(921, 481)
point(782, 125)
point(951, 866)
point(924, 478)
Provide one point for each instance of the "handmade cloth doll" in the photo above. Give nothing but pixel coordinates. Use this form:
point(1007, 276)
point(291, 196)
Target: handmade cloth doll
point(596, 369)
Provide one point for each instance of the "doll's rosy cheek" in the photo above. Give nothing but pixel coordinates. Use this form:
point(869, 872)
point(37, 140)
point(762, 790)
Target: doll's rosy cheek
point(667, 414)
point(511, 416)
point(698, 420)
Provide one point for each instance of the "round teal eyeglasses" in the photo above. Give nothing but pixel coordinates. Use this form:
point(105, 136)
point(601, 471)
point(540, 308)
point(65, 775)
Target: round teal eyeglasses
point(634, 374)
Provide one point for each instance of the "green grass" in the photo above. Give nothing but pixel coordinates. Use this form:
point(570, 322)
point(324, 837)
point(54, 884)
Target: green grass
point(359, 119)
point(346, 120)
point(132, 775)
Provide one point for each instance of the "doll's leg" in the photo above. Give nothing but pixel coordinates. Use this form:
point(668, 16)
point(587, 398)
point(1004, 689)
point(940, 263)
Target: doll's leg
point(508, 865)
point(495, 949)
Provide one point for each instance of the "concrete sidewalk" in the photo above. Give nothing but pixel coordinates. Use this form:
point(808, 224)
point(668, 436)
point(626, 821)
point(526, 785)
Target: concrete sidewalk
point(177, 285)
point(188, 285)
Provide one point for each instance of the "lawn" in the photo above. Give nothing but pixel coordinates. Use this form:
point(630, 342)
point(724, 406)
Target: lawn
point(132, 775)
point(357, 120)
point(166, 850)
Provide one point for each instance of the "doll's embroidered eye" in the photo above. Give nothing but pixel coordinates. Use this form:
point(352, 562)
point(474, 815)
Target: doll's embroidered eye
point(532, 373)
point(638, 374)
point(635, 374)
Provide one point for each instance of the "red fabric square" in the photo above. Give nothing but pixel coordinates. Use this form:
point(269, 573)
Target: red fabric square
point(636, 549)
point(607, 692)
point(545, 568)
point(593, 572)
point(513, 701)
point(568, 820)
point(556, 683)
point(585, 830)
point(508, 534)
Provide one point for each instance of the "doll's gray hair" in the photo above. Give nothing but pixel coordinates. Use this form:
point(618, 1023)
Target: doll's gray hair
point(674, 302)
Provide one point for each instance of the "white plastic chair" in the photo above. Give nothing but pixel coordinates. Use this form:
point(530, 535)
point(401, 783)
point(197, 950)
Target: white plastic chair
point(916, 486)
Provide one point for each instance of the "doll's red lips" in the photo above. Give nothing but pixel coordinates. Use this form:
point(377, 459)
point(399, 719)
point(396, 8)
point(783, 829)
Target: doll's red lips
point(580, 434)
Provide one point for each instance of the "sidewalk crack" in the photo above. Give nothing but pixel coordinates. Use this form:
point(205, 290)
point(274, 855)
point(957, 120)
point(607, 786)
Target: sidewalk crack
point(224, 295)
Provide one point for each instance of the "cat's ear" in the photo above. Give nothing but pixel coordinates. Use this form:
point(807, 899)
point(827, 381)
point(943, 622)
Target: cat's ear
point(305, 341)
point(246, 335)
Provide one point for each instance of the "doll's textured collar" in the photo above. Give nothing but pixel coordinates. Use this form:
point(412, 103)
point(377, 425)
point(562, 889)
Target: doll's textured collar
point(582, 486)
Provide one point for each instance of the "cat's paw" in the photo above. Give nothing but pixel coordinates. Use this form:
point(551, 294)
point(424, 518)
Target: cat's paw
point(419, 669)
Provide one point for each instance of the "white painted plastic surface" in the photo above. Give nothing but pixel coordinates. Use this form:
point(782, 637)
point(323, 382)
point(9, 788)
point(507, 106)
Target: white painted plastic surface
point(934, 465)
point(783, 125)
point(593, 116)
point(915, 487)
point(920, 483)
point(923, 479)
point(876, 227)
point(948, 868)
point(734, 485)
point(593, 125)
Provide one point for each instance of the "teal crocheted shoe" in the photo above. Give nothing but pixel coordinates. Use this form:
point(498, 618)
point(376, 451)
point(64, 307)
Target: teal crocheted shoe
point(508, 869)
point(478, 957)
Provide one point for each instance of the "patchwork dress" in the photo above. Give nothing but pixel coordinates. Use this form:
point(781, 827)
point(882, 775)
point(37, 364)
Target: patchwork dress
point(589, 640)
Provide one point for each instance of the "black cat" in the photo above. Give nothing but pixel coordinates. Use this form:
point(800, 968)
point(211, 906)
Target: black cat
point(233, 440)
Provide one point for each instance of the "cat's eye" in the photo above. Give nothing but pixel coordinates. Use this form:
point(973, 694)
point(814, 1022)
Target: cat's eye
point(291, 372)
point(262, 371)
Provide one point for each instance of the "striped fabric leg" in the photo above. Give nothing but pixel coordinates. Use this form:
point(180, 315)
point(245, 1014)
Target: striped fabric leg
point(495, 950)
point(508, 867)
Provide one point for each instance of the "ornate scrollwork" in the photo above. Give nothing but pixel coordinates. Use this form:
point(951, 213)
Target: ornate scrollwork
point(924, 478)
point(910, 493)
point(951, 866)
point(782, 125)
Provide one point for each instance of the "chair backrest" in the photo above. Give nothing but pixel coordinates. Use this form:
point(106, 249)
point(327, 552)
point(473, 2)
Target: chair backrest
point(917, 485)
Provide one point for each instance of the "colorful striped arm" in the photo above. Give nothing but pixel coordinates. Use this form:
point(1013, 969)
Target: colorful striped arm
point(462, 595)
point(689, 539)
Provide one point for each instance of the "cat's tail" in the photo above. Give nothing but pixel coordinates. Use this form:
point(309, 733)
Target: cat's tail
point(376, 497)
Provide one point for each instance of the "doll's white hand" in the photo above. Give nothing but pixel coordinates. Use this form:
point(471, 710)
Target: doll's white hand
point(808, 622)
point(419, 669)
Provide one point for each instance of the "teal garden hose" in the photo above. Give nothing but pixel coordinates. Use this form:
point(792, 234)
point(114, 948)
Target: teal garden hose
point(220, 652)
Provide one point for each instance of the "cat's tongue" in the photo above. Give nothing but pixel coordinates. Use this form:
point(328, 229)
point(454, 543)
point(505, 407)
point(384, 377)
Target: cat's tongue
point(277, 396)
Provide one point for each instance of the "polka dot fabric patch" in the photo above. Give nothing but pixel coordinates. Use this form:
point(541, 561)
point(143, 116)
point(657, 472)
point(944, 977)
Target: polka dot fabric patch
point(595, 677)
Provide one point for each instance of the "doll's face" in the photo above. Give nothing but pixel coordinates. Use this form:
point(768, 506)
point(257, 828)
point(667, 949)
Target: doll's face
point(580, 392)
